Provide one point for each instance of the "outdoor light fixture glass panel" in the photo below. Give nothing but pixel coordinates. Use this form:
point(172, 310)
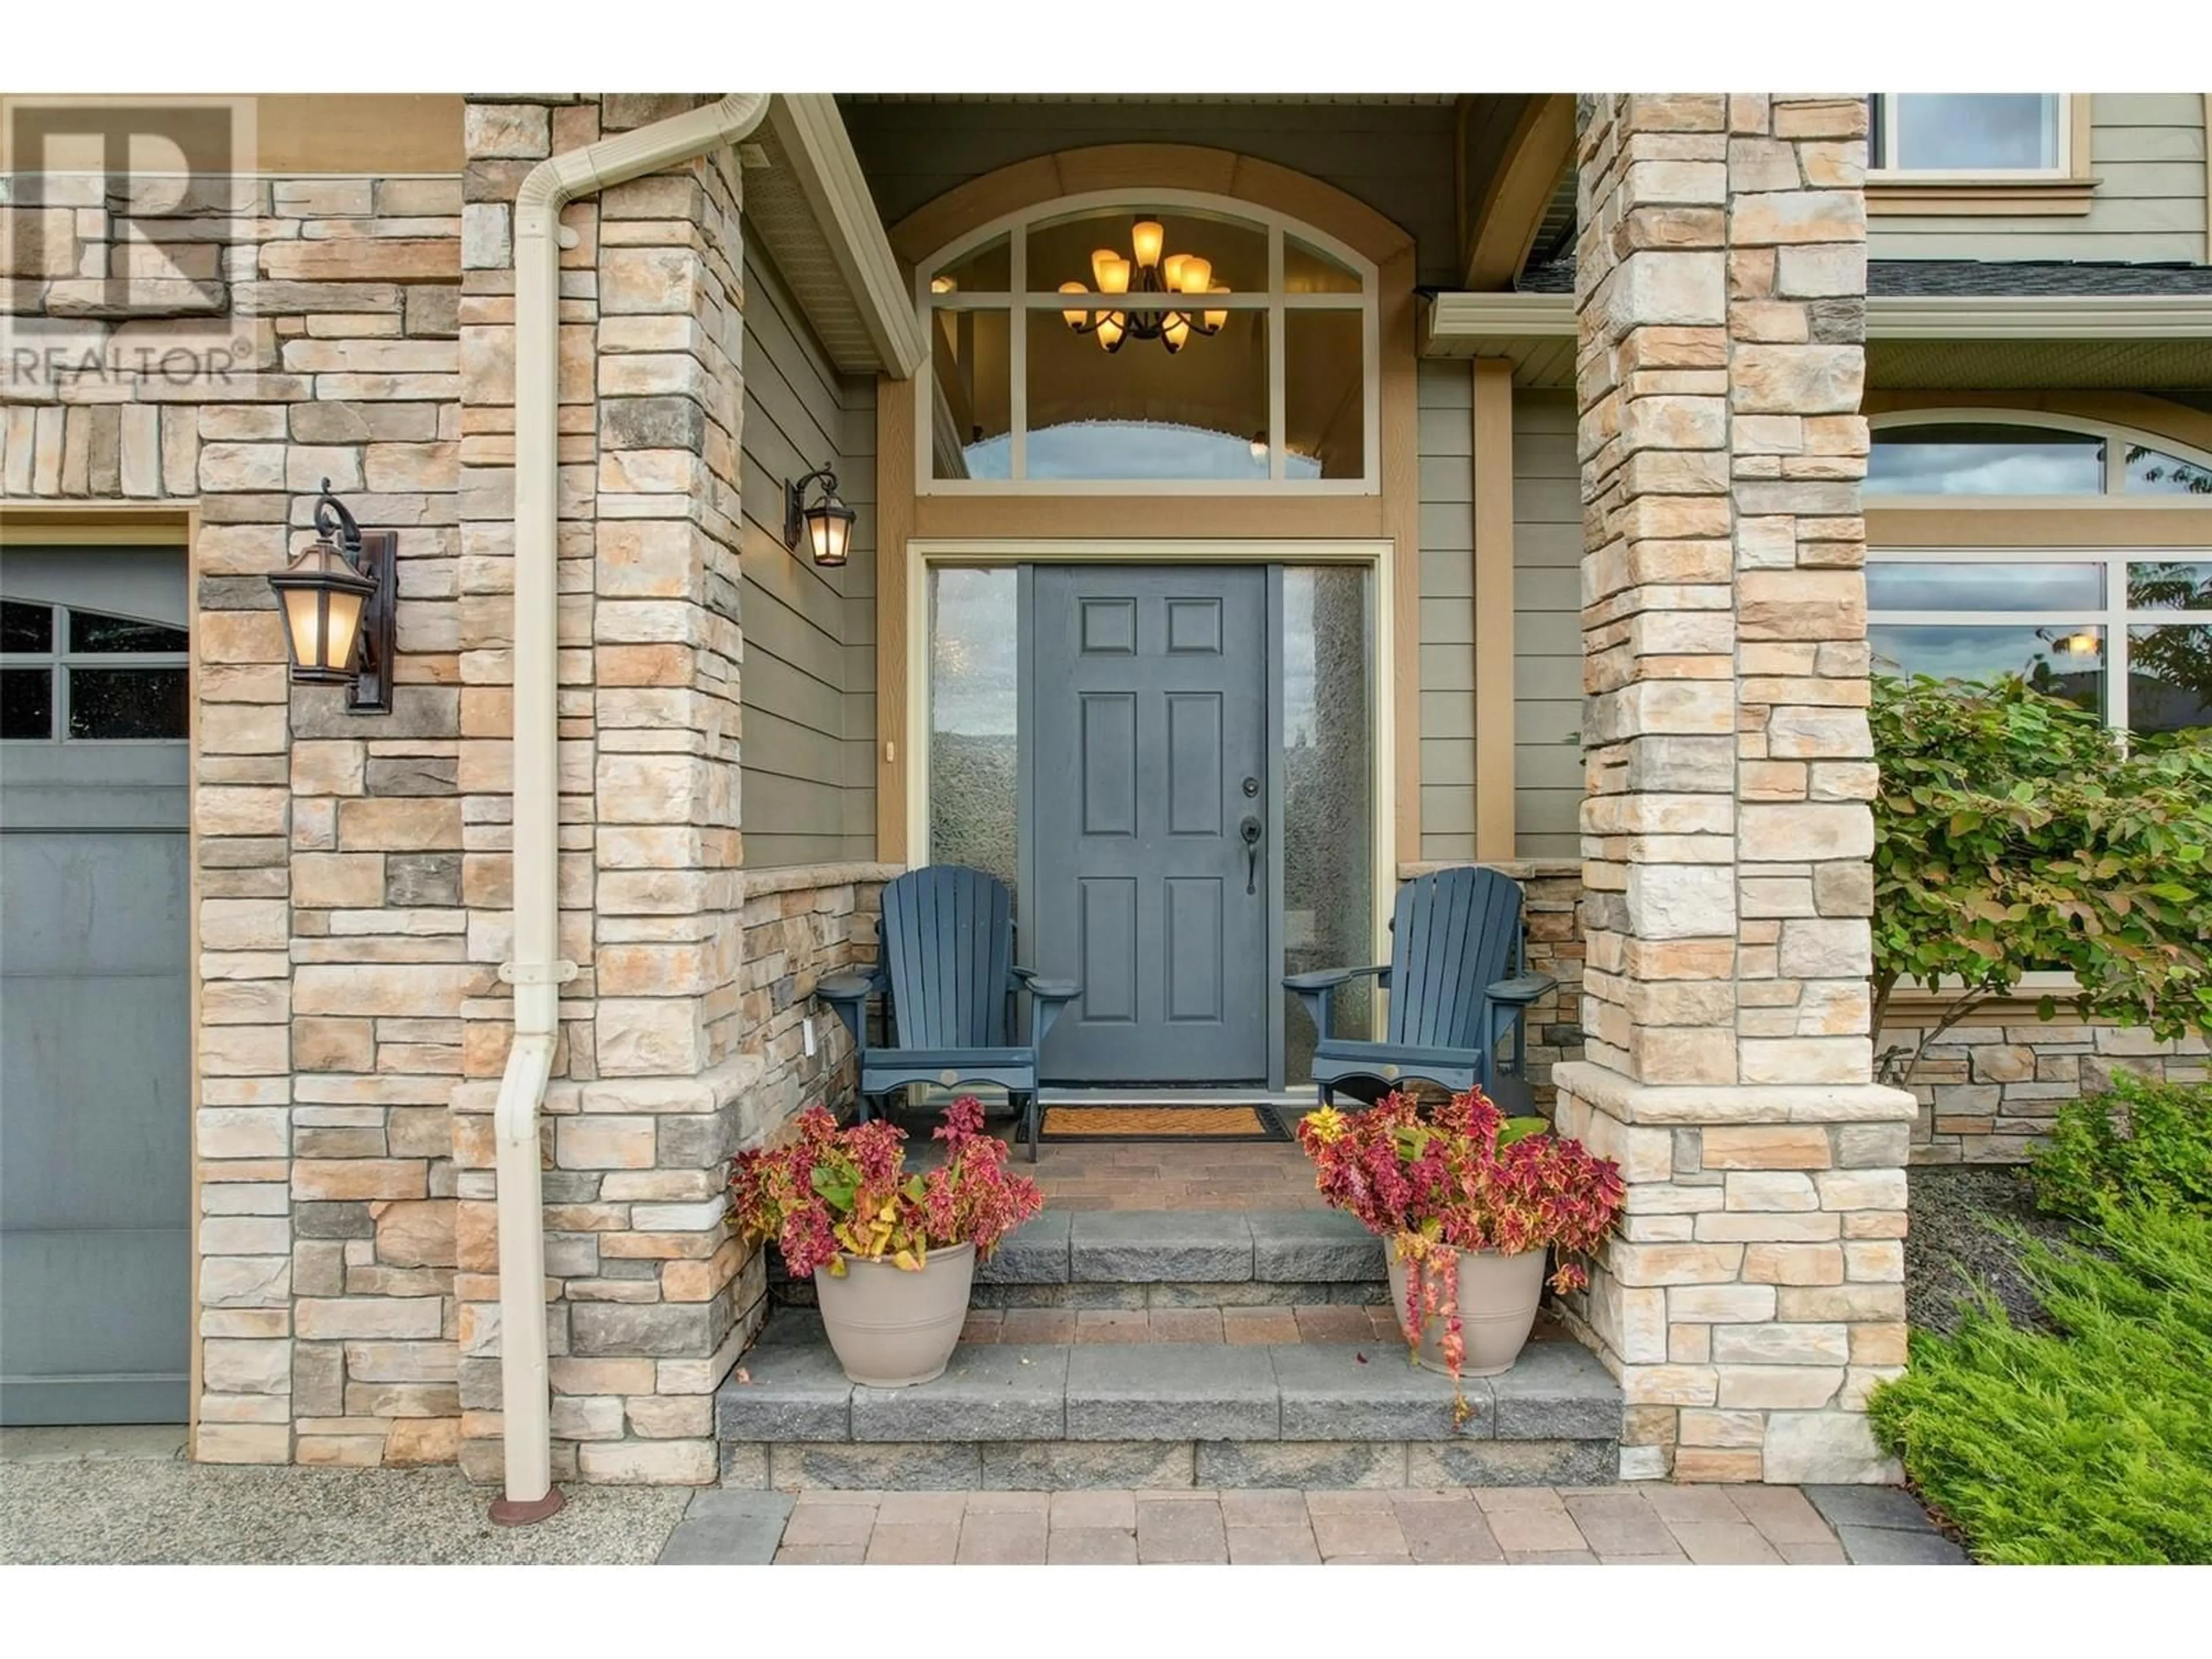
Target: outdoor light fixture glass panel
point(323, 596)
point(338, 599)
point(827, 525)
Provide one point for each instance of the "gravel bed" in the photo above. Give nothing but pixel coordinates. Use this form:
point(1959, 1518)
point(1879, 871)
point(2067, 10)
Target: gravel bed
point(1956, 1243)
point(143, 1511)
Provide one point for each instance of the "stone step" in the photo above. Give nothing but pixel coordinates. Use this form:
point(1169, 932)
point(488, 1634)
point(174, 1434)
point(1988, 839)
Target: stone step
point(1173, 1258)
point(1164, 1414)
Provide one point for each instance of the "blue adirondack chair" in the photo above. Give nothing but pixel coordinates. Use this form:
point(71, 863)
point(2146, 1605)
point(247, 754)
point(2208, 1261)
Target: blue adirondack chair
point(946, 968)
point(1458, 983)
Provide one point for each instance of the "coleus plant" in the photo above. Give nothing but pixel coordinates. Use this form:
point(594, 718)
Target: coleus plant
point(828, 1192)
point(1461, 1176)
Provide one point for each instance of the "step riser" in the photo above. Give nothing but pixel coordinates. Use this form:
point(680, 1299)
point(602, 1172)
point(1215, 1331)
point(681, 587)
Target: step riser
point(1245, 1293)
point(1108, 1259)
point(1051, 1415)
point(1165, 1465)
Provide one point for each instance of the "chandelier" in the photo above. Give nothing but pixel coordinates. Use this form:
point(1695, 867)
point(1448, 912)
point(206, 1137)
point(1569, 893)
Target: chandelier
point(1146, 273)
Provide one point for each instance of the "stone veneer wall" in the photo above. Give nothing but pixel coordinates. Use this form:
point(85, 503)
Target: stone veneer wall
point(1988, 1092)
point(1755, 1293)
point(332, 936)
point(679, 1042)
point(352, 872)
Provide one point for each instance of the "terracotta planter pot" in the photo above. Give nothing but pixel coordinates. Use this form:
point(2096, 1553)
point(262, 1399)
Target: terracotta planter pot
point(891, 1328)
point(1498, 1300)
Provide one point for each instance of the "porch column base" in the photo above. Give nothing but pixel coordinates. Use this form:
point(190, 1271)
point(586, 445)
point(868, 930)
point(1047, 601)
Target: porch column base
point(1754, 1294)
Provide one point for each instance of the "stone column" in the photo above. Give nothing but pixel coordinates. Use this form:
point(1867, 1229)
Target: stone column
point(650, 1291)
point(1754, 1294)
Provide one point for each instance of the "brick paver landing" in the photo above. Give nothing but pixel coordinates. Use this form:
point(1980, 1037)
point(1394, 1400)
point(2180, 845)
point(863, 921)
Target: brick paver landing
point(1156, 1175)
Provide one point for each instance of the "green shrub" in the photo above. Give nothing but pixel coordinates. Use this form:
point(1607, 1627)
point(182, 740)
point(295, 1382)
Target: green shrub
point(2161, 1156)
point(2013, 831)
point(2094, 1444)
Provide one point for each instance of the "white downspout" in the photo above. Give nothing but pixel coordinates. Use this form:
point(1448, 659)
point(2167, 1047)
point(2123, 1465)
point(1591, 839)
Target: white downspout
point(536, 971)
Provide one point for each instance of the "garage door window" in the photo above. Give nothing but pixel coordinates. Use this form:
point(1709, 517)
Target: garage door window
point(68, 675)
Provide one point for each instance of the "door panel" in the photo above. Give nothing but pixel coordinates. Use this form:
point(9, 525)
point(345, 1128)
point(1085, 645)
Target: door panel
point(95, 1045)
point(1147, 714)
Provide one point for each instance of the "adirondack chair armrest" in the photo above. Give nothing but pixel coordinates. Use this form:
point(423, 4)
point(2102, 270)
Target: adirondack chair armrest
point(849, 994)
point(1318, 990)
point(1521, 990)
point(1047, 998)
point(1327, 979)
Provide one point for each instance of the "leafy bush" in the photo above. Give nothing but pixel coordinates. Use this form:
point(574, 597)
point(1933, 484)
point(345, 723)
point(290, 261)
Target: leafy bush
point(2094, 1444)
point(1461, 1176)
point(826, 1192)
point(2013, 831)
point(2162, 1155)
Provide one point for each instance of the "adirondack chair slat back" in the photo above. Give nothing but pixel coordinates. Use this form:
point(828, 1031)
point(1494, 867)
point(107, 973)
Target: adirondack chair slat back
point(948, 947)
point(1452, 934)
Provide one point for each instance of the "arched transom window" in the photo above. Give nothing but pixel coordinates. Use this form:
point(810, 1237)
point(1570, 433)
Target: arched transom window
point(2123, 628)
point(1158, 343)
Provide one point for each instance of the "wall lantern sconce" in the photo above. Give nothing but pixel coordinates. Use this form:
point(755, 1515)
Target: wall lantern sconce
point(827, 525)
point(339, 598)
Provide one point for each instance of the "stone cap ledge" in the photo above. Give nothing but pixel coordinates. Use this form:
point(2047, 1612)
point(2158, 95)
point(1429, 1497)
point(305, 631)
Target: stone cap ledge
point(708, 1091)
point(1519, 869)
point(1731, 1102)
point(794, 877)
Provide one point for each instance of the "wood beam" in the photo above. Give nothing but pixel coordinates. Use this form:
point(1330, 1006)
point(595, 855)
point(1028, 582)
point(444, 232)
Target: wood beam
point(1514, 195)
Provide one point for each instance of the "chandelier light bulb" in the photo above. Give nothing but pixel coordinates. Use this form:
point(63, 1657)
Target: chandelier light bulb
point(1145, 273)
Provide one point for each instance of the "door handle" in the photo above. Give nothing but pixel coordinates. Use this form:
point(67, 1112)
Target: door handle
point(1251, 831)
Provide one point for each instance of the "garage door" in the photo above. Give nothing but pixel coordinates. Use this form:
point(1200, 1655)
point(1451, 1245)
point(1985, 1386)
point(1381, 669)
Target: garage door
point(95, 1153)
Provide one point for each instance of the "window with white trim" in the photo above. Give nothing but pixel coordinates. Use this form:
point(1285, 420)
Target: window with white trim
point(1976, 134)
point(2125, 630)
point(1161, 342)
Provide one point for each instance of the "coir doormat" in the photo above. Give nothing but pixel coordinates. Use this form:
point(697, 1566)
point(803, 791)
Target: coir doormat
point(1080, 1124)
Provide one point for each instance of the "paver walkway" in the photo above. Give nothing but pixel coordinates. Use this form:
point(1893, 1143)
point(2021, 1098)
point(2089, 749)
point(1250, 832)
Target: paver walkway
point(1521, 1525)
point(69, 1495)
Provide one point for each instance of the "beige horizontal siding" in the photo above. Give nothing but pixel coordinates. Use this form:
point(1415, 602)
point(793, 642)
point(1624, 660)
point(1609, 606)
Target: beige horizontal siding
point(1547, 646)
point(2148, 152)
point(807, 757)
point(1447, 612)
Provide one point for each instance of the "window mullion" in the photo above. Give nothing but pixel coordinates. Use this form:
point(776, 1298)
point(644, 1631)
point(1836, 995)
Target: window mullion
point(61, 692)
point(1018, 356)
point(2116, 637)
point(1277, 401)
